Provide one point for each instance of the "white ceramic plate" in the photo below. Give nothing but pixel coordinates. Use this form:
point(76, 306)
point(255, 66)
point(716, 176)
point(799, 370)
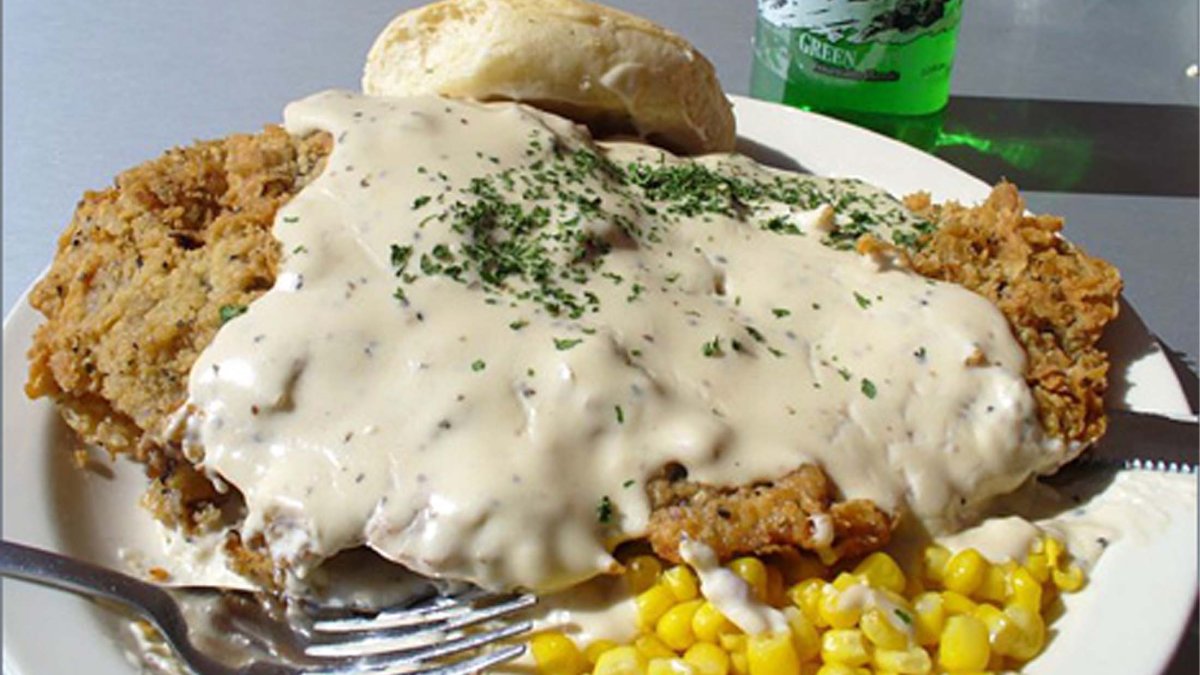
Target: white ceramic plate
point(1126, 623)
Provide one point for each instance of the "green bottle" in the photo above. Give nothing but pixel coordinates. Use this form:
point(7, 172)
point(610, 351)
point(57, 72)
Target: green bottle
point(890, 57)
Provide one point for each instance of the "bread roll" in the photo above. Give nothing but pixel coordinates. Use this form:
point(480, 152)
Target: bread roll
point(618, 73)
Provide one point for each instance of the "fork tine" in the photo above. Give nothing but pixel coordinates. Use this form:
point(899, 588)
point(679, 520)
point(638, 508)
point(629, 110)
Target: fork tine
point(429, 623)
point(338, 620)
point(419, 655)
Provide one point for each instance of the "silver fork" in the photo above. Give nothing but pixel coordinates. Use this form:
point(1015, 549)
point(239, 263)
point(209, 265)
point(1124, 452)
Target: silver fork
point(420, 637)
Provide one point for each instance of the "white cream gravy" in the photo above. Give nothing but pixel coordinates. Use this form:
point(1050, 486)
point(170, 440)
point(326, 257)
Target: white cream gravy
point(465, 431)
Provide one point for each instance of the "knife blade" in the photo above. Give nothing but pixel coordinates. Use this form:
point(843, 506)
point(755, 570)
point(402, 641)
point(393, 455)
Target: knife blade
point(1149, 441)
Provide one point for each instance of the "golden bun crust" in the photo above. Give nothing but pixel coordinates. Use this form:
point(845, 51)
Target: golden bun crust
point(616, 72)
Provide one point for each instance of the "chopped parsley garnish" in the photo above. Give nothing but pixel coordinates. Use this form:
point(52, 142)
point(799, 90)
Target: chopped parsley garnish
point(518, 324)
point(845, 373)
point(756, 334)
point(478, 365)
point(868, 388)
point(291, 219)
point(903, 616)
point(400, 295)
point(862, 300)
point(604, 510)
point(228, 312)
point(420, 201)
point(400, 258)
point(629, 483)
point(620, 414)
point(712, 348)
point(780, 312)
point(563, 344)
point(300, 249)
point(920, 353)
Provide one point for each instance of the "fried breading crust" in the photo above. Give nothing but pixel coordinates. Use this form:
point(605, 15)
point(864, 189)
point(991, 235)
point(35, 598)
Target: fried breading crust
point(1057, 299)
point(765, 518)
point(142, 271)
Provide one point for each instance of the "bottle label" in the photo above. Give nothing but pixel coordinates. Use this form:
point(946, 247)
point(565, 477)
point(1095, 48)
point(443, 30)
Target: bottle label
point(849, 39)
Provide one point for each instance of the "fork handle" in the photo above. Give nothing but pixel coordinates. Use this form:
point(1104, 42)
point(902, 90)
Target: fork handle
point(51, 569)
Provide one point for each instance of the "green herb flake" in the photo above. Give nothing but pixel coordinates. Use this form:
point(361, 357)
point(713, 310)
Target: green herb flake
point(868, 388)
point(518, 324)
point(620, 414)
point(420, 201)
point(903, 616)
point(300, 249)
point(228, 312)
point(400, 257)
point(780, 312)
point(604, 510)
point(920, 353)
point(478, 365)
point(400, 295)
point(291, 219)
point(712, 348)
point(629, 483)
point(563, 344)
point(862, 300)
point(845, 373)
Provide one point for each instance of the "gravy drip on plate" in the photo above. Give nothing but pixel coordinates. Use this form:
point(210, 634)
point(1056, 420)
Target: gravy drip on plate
point(489, 331)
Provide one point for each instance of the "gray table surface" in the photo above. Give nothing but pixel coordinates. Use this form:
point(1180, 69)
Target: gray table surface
point(95, 86)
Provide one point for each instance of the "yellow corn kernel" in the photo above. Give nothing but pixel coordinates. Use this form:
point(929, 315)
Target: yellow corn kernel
point(934, 561)
point(593, 651)
point(708, 623)
point(650, 646)
point(772, 654)
point(1054, 552)
point(965, 571)
point(957, 603)
point(1068, 580)
point(804, 634)
point(845, 646)
point(669, 667)
point(806, 595)
point(682, 582)
point(964, 645)
point(881, 571)
point(642, 572)
point(675, 627)
point(880, 631)
point(841, 669)
point(707, 659)
point(734, 642)
point(739, 664)
point(621, 661)
point(1024, 590)
point(1001, 631)
point(775, 595)
point(651, 604)
point(836, 613)
point(929, 618)
point(1031, 632)
point(1038, 567)
point(994, 586)
point(847, 579)
point(556, 654)
point(911, 661)
point(754, 573)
